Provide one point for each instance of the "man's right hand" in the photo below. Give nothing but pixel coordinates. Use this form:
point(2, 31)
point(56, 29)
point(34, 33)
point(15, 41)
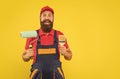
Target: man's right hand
point(28, 54)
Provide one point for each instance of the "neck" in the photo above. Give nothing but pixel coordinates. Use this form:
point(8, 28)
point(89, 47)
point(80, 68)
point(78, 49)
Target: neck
point(46, 33)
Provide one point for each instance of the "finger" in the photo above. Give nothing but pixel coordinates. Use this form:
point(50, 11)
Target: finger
point(59, 45)
point(30, 50)
point(30, 54)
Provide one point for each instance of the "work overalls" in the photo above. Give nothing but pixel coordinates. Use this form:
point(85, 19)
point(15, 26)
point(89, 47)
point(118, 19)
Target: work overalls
point(47, 64)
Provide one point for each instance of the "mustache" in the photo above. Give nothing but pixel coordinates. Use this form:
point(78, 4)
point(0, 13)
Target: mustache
point(46, 20)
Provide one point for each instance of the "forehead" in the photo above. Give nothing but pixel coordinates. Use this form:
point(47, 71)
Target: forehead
point(47, 12)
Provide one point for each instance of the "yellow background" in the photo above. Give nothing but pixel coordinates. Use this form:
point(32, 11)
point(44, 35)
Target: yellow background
point(92, 28)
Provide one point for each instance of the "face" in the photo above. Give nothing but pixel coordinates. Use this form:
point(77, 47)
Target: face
point(46, 20)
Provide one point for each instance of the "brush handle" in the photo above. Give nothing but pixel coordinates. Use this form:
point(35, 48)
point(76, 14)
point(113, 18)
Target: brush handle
point(61, 40)
point(30, 46)
point(62, 43)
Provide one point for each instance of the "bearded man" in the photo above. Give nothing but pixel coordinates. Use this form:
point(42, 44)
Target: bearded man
point(46, 49)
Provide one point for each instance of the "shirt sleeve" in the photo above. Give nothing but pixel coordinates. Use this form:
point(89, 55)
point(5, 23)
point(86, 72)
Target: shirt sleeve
point(28, 41)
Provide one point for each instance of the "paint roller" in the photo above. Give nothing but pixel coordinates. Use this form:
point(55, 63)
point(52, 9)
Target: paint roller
point(28, 34)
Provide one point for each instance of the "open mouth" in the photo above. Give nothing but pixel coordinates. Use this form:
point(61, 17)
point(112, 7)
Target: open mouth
point(47, 23)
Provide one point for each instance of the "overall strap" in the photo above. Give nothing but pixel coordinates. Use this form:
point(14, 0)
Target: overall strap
point(38, 36)
point(55, 36)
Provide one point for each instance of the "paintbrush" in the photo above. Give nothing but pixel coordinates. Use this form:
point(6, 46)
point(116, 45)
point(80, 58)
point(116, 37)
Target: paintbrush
point(62, 40)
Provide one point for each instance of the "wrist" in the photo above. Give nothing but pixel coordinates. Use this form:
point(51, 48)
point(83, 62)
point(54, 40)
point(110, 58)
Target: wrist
point(68, 55)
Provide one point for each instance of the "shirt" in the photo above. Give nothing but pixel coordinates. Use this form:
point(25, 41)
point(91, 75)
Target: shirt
point(45, 39)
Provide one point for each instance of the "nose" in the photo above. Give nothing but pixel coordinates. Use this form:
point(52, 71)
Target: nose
point(46, 17)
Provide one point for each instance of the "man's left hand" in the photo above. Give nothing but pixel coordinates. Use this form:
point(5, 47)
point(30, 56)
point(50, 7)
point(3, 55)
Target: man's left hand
point(62, 50)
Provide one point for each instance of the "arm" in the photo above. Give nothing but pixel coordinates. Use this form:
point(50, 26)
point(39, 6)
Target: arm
point(28, 53)
point(66, 52)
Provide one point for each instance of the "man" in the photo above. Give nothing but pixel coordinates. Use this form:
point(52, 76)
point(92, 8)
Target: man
point(46, 49)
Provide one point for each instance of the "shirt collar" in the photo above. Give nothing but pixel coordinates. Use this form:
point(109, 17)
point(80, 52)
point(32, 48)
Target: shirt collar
point(43, 33)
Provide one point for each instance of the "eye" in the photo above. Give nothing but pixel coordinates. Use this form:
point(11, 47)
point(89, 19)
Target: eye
point(44, 15)
point(49, 15)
